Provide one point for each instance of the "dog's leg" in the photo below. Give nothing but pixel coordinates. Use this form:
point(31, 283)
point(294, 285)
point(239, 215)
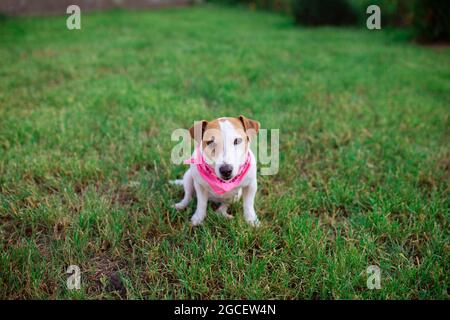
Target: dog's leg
point(202, 202)
point(248, 194)
point(222, 209)
point(188, 184)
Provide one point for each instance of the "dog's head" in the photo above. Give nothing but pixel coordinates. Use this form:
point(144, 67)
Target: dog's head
point(225, 143)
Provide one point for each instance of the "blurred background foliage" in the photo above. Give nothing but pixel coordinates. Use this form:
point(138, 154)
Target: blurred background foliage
point(429, 19)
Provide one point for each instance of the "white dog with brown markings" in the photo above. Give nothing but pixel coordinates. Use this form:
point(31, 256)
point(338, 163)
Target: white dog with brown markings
point(222, 167)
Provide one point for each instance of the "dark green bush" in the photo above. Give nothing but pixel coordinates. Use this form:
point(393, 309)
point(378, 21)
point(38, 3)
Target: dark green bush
point(227, 1)
point(275, 5)
point(396, 13)
point(323, 12)
point(272, 5)
point(432, 20)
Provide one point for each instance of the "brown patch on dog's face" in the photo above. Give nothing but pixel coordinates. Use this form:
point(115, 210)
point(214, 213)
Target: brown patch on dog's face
point(240, 129)
point(212, 141)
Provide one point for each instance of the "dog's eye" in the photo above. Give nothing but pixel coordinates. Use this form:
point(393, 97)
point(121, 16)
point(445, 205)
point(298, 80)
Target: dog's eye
point(210, 142)
point(237, 141)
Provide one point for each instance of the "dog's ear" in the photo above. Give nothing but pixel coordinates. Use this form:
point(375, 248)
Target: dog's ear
point(198, 129)
point(251, 127)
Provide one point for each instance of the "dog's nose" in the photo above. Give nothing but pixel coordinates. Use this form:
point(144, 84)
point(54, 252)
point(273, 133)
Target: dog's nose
point(226, 170)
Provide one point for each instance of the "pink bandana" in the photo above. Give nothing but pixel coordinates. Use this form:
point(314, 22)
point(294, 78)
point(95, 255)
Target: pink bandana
point(218, 185)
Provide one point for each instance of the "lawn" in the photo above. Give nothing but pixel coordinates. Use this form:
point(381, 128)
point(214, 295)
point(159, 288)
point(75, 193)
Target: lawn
point(85, 140)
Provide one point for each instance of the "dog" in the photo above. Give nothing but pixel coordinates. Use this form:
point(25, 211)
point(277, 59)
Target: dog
point(222, 167)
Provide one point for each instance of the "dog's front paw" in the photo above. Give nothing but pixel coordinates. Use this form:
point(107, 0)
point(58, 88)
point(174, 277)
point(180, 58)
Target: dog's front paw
point(196, 220)
point(254, 222)
point(179, 206)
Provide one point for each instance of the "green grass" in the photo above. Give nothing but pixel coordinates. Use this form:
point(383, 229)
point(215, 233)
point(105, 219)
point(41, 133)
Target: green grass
point(85, 124)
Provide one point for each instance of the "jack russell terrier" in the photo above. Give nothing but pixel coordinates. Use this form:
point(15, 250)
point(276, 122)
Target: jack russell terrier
point(222, 167)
